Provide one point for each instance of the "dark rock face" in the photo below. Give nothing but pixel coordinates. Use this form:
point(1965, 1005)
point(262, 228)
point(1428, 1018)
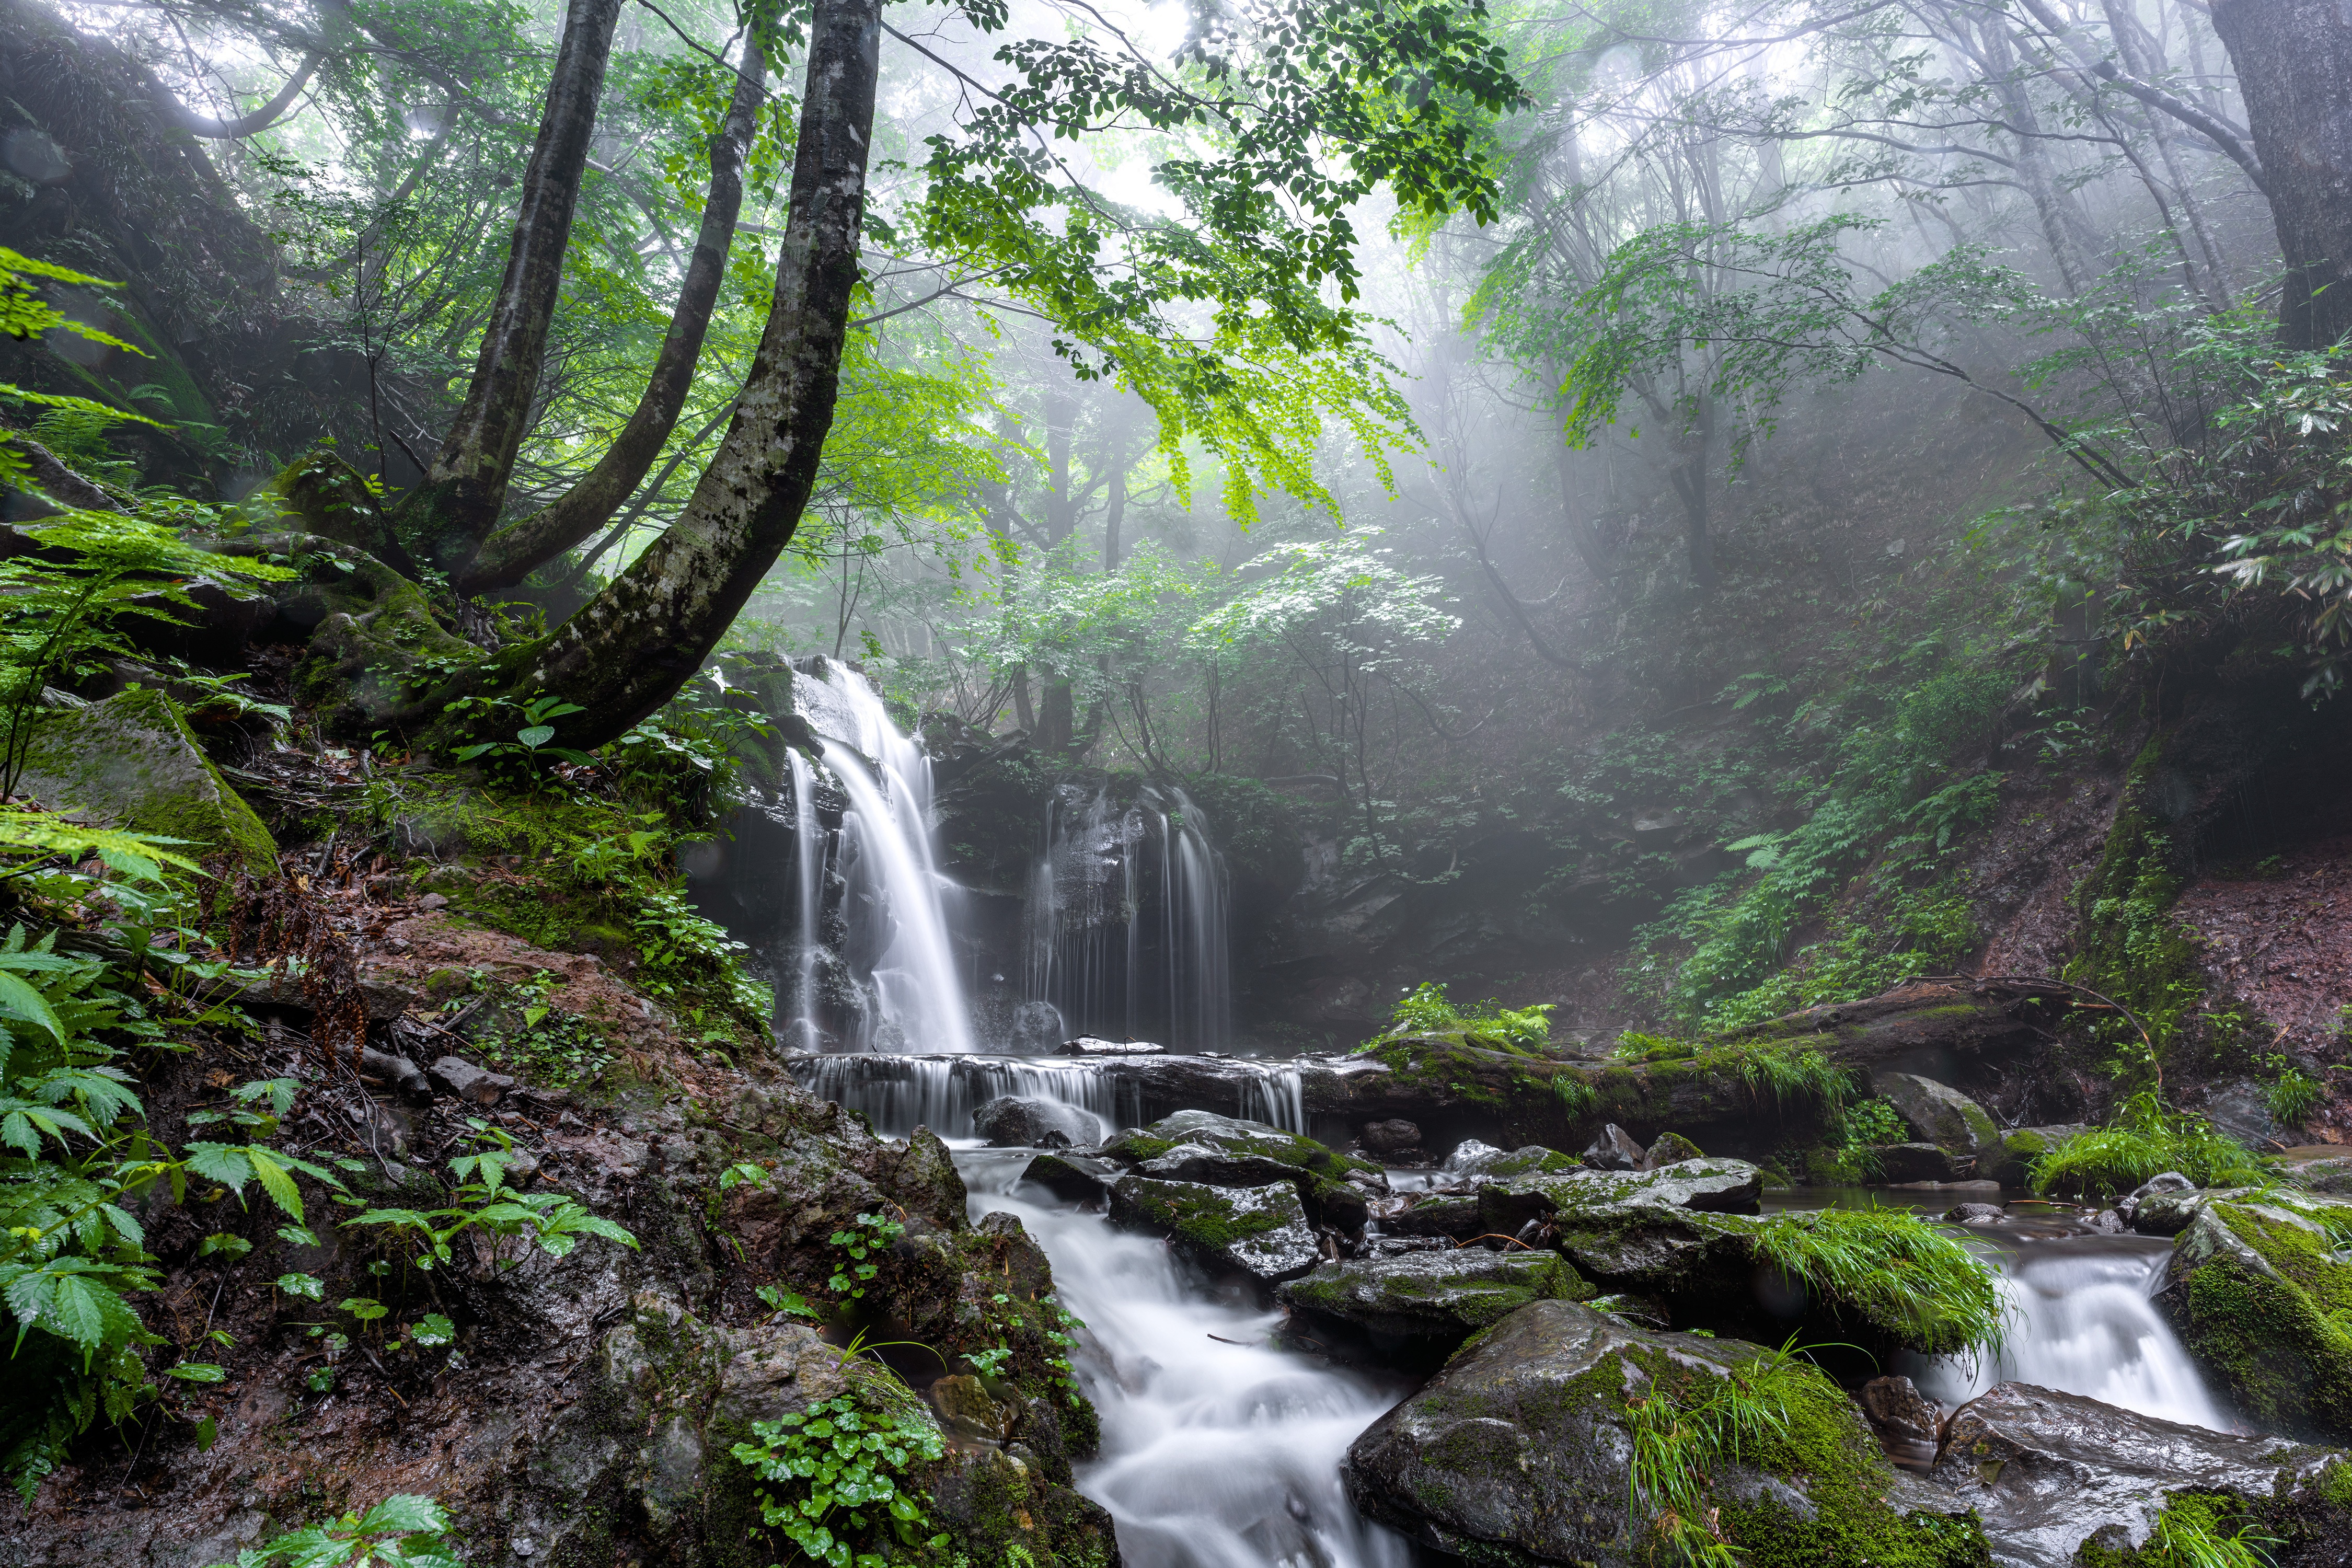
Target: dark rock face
point(1075, 1178)
point(1937, 1113)
point(1614, 1150)
point(1976, 1214)
point(2169, 1182)
point(1897, 1407)
point(1259, 1232)
point(1010, 1121)
point(1900, 1163)
point(1390, 1136)
point(2048, 1472)
point(1670, 1149)
point(1518, 1452)
point(1222, 1151)
point(1416, 1307)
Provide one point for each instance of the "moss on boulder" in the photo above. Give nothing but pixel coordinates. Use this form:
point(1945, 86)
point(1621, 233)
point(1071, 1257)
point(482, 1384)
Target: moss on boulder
point(1261, 1232)
point(1415, 1308)
point(2259, 1297)
point(131, 761)
point(1518, 1452)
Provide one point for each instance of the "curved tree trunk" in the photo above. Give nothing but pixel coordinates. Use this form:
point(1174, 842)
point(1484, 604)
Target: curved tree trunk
point(2294, 60)
point(455, 508)
point(629, 650)
point(511, 554)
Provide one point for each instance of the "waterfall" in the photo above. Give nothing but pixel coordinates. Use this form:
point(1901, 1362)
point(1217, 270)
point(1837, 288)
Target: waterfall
point(1216, 1452)
point(894, 904)
point(1126, 932)
point(2082, 1322)
point(797, 1024)
point(900, 1093)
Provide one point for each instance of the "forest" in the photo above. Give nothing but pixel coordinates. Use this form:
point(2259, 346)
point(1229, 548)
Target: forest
point(1236, 784)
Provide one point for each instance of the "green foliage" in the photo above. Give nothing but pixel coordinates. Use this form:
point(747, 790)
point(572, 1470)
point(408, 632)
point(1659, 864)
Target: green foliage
point(1686, 1433)
point(74, 1164)
point(2143, 1139)
point(865, 1237)
point(1903, 1277)
point(482, 1200)
point(849, 1463)
point(531, 1032)
point(25, 313)
point(67, 616)
point(2293, 1096)
point(2196, 1530)
point(1424, 1010)
point(401, 1532)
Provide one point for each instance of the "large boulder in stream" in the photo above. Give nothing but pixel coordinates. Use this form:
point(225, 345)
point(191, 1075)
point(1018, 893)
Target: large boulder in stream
point(2260, 1299)
point(1937, 1113)
point(1699, 1186)
point(1260, 1232)
point(1012, 1121)
point(1522, 1452)
point(1225, 1152)
point(1415, 1308)
point(2064, 1482)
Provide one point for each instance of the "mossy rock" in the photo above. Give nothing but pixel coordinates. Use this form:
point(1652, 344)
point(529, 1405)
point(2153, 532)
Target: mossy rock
point(1415, 1308)
point(1234, 1137)
point(1258, 1231)
point(131, 761)
point(1518, 1454)
point(2259, 1298)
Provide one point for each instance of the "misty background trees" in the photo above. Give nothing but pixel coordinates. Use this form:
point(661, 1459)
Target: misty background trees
point(1388, 400)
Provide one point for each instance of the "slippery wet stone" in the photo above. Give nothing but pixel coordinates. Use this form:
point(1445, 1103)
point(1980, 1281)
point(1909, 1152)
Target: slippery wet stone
point(1075, 1178)
point(1517, 1453)
point(1261, 1232)
point(1613, 1149)
point(2260, 1299)
point(2048, 1472)
point(1937, 1112)
point(1416, 1307)
point(1014, 1121)
point(1702, 1186)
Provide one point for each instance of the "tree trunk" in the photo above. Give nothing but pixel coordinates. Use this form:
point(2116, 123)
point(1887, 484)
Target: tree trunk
point(455, 508)
point(512, 552)
point(2294, 60)
point(629, 650)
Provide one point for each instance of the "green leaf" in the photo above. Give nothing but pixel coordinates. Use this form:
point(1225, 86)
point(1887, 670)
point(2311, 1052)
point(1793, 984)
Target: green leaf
point(231, 1246)
point(304, 1285)
point(406, 1514)
point(434, 1328)
point(276, 1183)
point(196, 1372)
point(536, 736)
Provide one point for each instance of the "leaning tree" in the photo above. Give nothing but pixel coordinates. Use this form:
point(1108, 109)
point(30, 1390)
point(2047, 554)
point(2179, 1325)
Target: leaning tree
point(1283, 116)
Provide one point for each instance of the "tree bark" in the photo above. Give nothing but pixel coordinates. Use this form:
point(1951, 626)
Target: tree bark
point(2294, 60)
point(629, 649)
point(455, 508)
point(511, 554)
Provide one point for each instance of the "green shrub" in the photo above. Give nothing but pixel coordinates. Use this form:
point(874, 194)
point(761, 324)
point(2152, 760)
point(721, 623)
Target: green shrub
point(1424, 1010)
point(840, 1471)
point(401, 1532)
point(2294, 1096)
point(2146, 1140)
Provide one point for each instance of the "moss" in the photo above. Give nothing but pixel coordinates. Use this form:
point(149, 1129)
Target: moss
point(2129, 946)
point(2279, 1341)
point(2196, 1530)
point(133, 762)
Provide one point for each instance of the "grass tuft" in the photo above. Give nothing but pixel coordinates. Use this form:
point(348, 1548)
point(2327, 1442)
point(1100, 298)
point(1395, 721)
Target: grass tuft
point(1902, 1275)
point(2144, 1141)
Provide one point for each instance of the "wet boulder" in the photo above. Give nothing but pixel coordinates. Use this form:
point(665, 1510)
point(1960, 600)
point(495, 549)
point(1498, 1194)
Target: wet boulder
point(1073, 1178)
point(131, 761)
point(1702, 1186)
point(2260, 1299)
point(2171, 1182)
point(1937, 1112)
point(1416, 1307)
point(2011, 1161)
point(2051, 1474)
point(1519, 1453)
point(1670, 1149)
point(1222, 1151)
point(2330, 1173)
point(1895, 1406)
point(1012, 1121)
point(1904, 1163)
point(1613, 1149)
point(1485, 1163)
point(1441, 1214)
point(1390, 1137)
point(1261, 1232)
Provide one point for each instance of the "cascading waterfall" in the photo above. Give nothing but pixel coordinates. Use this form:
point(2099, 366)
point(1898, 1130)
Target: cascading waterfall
point(1127, 928)
point(1216, 1452)
point(900, 1093)
point(798, 1024)
point(2082, 1322)
point(896, 906)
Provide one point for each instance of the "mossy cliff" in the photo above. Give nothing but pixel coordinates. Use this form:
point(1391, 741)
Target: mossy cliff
point(131, 761)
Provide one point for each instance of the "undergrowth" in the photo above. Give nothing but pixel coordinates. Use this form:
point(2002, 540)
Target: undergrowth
point(1424, 1010)
point(1682, 1439)
point(838, 1473)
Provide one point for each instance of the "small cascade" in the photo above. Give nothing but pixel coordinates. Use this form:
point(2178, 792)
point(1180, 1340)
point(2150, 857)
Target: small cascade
point(1216, 1452)
point(900, 1093)
point(1127, 932)
point(2082, 1322)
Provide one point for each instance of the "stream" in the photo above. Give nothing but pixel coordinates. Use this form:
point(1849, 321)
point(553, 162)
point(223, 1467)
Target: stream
point(1218, 1453)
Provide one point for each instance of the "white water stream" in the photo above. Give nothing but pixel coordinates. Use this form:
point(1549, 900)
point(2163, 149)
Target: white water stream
point(2082, 1322)
point(1217, 1453)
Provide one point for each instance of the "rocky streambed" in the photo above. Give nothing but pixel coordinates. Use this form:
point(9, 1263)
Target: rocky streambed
point(1302, 1355)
